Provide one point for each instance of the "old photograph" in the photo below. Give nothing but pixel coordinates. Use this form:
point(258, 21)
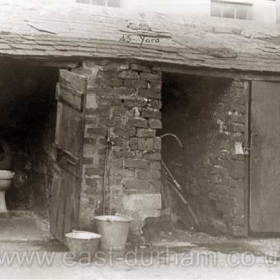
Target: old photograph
point(140, 139)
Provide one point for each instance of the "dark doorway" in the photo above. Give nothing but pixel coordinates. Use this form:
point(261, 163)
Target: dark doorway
point(196, 109)
point(27, 121)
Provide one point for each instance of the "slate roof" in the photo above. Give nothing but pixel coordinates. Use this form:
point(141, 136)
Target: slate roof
point(117, 33)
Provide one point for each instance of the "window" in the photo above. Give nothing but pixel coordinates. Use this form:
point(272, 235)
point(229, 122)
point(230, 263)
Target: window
point(241, 14)
point(99, 2)
point(228, 12)
point(232, 9)
point(216, 11)
point(83, 1)
point(107, 3)
point(114, 3)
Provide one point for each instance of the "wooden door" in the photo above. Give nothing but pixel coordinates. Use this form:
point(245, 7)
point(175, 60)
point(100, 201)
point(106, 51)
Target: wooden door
point(70, 93)
point(264, 216)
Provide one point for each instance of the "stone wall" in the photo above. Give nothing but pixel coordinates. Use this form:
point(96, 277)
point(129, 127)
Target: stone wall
point(209, 115)
point(122, 118)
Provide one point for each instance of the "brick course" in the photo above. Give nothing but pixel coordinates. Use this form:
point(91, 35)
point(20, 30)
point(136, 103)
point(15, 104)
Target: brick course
point(123, 100)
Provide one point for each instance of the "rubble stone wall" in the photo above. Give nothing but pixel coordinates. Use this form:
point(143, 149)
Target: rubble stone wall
point(122, 117)
point(210, 118)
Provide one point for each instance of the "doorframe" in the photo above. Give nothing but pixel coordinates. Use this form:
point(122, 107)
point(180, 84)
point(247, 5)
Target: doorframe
point(218, 73)
point(234, 76)
point(248, 135)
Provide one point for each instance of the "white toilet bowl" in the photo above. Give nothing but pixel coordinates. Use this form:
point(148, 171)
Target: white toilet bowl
point(6, 178)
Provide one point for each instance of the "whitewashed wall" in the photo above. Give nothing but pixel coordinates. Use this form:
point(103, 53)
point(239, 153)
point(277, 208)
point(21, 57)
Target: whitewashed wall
point(264, 11)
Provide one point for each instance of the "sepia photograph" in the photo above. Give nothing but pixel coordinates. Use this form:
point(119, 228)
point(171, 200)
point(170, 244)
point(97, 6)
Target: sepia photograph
point(138, 139)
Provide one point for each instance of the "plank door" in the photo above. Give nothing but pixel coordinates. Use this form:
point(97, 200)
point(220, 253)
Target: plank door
point(264, 215)
point(70, 93)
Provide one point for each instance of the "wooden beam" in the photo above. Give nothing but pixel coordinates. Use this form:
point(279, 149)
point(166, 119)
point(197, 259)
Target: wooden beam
point(61, 64)
point(202, 71)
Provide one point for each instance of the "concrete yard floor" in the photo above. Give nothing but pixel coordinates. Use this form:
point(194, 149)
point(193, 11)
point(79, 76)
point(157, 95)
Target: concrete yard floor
point(27, 251)
point(23, 226)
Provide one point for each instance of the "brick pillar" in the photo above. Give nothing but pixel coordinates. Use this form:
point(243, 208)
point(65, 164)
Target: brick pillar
point(228, 176)
point(123, 102)
point(236, 124)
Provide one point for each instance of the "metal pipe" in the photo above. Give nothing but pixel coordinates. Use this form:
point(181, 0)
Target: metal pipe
point(177, 187)
point(174, 136)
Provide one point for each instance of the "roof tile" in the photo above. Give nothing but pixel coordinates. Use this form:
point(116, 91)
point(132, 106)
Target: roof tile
point(193, 42)
point(4, 46)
